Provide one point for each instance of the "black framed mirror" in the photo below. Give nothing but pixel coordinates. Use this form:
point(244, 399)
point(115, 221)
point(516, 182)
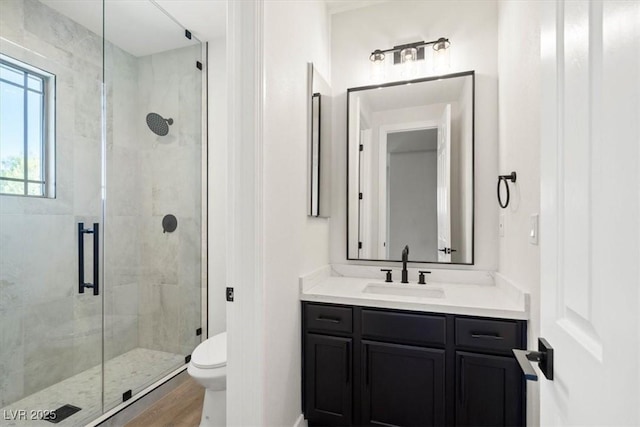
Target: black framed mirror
point(410, 151)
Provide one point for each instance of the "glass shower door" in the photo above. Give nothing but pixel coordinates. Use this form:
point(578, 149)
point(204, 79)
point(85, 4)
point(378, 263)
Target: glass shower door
point(100, 204)
point(51, 295)
point(153, 196)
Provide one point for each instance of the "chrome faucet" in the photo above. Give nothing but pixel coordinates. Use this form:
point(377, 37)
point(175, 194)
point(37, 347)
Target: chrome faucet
point(405, 258)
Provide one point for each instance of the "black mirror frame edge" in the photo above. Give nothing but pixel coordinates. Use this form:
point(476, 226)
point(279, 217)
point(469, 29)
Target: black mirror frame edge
point(471, 73)
point(314, 210)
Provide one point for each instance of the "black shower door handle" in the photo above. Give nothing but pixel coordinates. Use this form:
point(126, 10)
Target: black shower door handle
point(96, 258)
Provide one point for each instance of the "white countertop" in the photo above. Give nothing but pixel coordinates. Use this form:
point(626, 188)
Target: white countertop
point(501, 300)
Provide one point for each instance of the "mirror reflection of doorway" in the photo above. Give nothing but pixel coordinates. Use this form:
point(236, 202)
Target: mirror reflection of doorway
point(412, 165)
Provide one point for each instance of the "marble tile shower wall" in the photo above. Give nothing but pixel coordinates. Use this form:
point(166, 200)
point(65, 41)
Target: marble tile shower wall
point(122, 237)
point(48, 331)
point(170, 179)
point(154, 300)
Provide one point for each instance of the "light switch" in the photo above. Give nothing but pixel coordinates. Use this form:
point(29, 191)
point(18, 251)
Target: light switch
point(501, 226)
point(533, 229)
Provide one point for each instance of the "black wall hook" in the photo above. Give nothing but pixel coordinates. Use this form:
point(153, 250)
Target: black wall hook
point(511, 177)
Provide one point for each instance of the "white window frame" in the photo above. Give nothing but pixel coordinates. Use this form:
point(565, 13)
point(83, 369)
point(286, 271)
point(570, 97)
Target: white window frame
point(47, 138)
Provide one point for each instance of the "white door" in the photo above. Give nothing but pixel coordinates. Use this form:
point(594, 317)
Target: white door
point(590, 230)
point(444, 186)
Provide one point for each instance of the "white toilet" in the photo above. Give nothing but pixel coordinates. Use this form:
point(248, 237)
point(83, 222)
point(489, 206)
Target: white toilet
point(208, 366)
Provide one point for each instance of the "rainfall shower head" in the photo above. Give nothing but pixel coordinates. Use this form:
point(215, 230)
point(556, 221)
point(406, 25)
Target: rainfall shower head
point(158, 124)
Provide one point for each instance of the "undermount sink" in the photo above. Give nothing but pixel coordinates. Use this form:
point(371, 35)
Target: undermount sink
point(421, 291)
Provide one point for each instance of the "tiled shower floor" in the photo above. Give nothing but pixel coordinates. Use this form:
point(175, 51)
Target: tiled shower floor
point(135, 369)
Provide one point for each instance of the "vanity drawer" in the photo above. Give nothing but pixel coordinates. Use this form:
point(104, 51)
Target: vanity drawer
point(403, 327)
point(488, 334)
point(328, 318)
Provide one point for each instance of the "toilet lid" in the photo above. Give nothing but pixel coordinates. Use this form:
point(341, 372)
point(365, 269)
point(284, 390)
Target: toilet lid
point(212, 353)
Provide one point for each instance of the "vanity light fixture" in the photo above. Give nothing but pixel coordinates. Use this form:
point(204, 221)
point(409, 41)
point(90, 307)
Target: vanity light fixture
point(410, 52)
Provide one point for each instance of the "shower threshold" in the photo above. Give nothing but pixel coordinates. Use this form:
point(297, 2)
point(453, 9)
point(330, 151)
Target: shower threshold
point(132, 370)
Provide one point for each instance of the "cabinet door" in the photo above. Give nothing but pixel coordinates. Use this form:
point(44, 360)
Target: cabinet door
point(402, 385)
point(489, 390)
point(328, 380)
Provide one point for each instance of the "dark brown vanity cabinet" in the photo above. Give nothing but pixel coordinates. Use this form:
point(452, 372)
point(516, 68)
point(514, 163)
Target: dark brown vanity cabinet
point(369, 366)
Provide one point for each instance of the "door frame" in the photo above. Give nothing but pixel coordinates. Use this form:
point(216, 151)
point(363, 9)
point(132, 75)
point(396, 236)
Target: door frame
point(245, 213)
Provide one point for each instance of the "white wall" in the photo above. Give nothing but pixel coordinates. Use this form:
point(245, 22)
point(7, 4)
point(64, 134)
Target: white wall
point(472, 29)
point(294, 34)
point(519, 148)
point(217, 225)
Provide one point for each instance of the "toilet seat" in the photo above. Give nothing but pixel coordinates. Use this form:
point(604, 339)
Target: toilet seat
point(211, 353)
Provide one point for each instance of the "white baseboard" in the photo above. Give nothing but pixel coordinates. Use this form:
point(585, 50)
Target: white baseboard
point(300, 422)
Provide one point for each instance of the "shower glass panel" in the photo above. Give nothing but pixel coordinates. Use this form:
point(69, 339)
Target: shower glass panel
point(51, 76)
point(100, 204)
point(153, 208)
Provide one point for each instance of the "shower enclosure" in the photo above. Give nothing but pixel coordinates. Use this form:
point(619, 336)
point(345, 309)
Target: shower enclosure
point(101, 204)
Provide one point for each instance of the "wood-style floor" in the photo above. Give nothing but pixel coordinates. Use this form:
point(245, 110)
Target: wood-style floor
point(182, 407)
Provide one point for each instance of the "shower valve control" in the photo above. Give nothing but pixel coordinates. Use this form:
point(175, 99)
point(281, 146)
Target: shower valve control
point(230, 294)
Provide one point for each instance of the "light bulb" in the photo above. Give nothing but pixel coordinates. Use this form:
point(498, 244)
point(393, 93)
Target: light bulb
point(441, 61)
point(377, 71)
point(408, 54)
point(377, 65)
point(441, 56)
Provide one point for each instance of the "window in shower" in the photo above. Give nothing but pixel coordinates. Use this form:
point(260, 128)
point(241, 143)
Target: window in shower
point(27, 104)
